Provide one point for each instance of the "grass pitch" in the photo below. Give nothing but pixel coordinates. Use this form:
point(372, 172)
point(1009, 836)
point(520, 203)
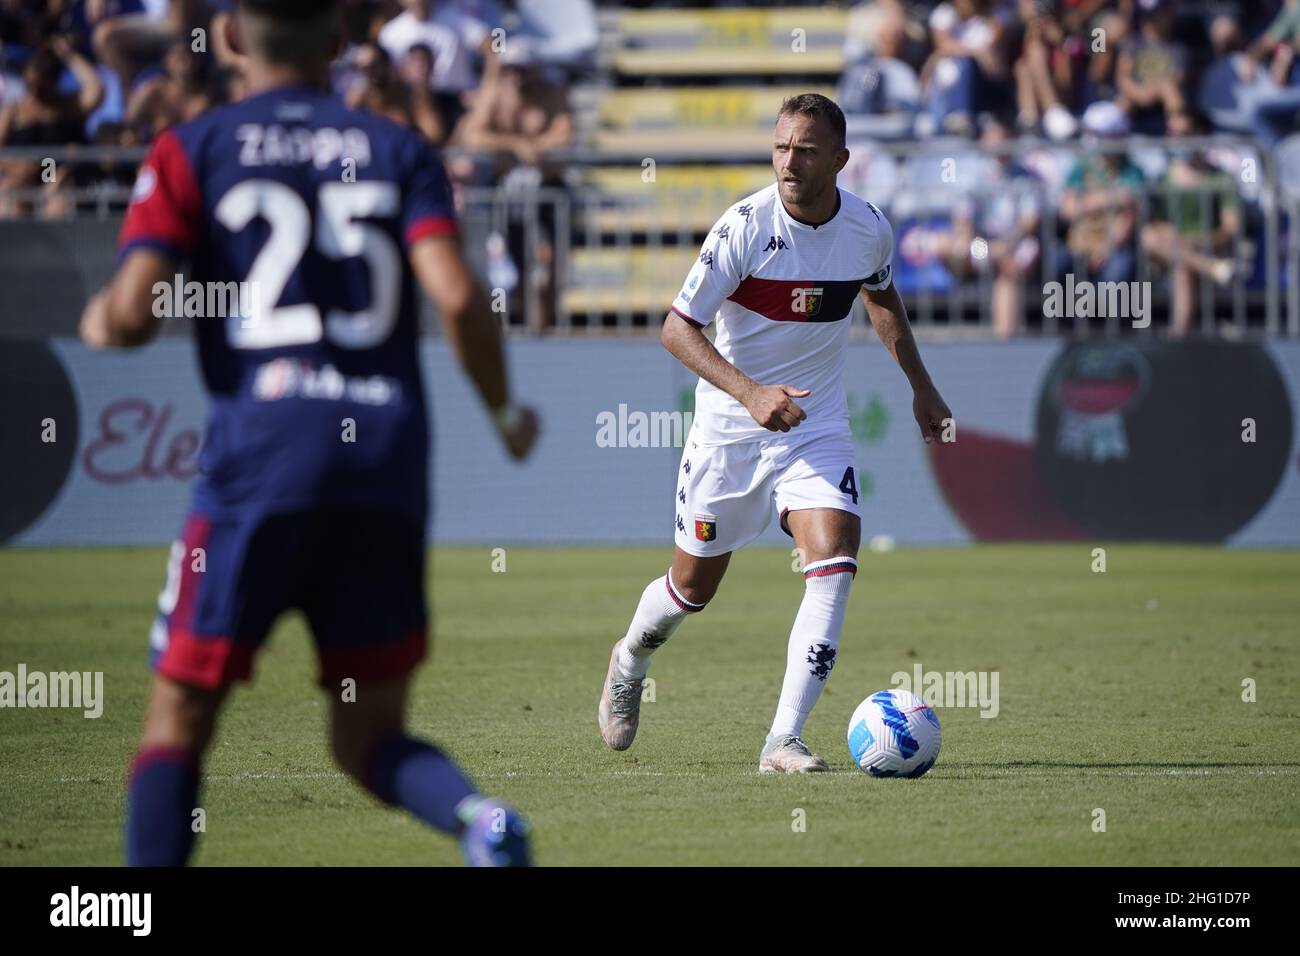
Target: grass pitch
point(1119, 690)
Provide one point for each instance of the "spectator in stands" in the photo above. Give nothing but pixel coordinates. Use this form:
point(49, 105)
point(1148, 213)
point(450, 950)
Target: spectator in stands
point(1253, 88)
point(44, 116)
point(416, 72)
point(877, 81)
point(457, 40)
point(186, 88)
point(128, 42)
point(968, 71)
point(561, 32)
point(995, 227)
point(1275, 50)
point(1049, 71)
point(402, 97)
point(890, 21)
point(1099, 204)
point(1221, 93)
point(1080, 16)
point(1105, 31)
point(115, 176)
point(522, 114)
point(1150, 71)
point(1273, 103)
point(882, 86)
point(21, 30)
point(1196, 225)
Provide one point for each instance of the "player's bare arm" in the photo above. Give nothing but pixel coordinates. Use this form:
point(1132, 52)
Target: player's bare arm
point(888, 317)
point(121, 315)
point(472, 331)
point(770, 405)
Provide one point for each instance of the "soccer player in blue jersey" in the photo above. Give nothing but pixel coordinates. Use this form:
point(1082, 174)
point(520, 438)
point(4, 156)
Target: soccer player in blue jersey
point(314, 472)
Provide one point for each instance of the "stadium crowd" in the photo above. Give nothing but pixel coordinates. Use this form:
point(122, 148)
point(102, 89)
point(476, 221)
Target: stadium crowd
point(116, 72)
point(1096, 71)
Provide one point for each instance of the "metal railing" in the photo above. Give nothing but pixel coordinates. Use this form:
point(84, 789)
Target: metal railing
point(544, 231)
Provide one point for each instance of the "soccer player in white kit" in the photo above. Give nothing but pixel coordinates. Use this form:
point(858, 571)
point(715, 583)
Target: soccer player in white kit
point(779, 272)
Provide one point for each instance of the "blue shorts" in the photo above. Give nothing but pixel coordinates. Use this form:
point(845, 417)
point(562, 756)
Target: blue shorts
point(358, 576)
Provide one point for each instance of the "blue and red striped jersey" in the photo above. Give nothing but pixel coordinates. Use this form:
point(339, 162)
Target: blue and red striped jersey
point(295, 215)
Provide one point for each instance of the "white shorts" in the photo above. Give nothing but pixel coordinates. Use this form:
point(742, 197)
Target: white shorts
point(726, 493)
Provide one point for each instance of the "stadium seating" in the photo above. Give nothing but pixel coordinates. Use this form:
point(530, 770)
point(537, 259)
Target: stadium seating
point(680, 198)
point(774, 42)
point(623, 280)
point(699, 122)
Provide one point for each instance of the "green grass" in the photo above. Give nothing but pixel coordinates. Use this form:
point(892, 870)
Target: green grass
point(1119, 690)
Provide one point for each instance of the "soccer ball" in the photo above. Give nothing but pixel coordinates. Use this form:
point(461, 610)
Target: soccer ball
point(894, 733)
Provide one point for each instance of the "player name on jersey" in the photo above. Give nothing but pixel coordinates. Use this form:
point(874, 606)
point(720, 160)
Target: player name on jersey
point(276, 145)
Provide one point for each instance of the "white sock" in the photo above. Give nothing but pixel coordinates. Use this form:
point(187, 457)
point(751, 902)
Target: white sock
point(814, 641)
point(657, 615)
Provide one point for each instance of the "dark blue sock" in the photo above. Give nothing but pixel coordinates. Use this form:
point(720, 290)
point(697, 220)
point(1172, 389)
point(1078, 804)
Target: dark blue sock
point(416, 776)
point(161, 795)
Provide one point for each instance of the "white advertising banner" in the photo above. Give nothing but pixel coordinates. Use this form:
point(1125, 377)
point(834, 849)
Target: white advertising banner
point(1054, 440)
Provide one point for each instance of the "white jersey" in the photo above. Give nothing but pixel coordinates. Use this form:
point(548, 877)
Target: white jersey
point(782, 292)
point(452, 35)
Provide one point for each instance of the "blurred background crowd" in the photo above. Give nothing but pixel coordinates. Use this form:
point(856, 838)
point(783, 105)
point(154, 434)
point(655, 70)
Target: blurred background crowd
point(117, 72)
point(1012, 141)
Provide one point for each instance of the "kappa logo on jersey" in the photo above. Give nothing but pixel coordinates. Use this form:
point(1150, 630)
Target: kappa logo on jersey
point(776, 242)
point(881, 278)
point(706, 527)
point(808, 301)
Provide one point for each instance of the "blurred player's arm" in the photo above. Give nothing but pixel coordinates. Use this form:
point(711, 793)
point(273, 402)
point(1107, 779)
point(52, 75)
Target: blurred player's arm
point(888, 317)
point(122, 314)
point(471, 328)
point(159, 231)
point(770, 405)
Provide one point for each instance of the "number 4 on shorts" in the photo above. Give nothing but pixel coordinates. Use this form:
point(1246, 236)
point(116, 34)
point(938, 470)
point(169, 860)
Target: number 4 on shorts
point(848, 485)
